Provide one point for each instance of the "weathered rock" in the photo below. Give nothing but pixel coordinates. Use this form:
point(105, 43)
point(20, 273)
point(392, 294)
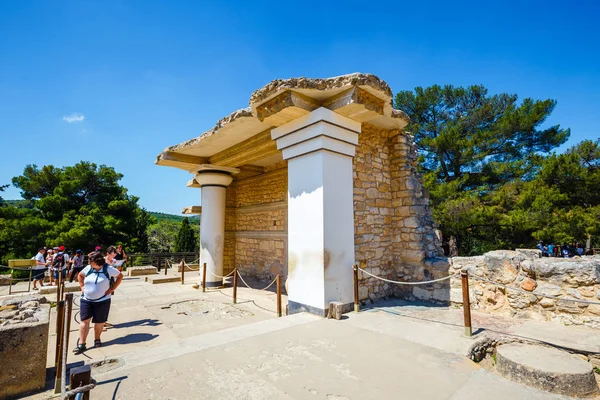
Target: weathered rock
point(547, 303)
point(546, 368)
point(8, 314)
point(584, 272)
point(547, 289)
point(530, 253)
point(566, 304)
point(502, 266)
point(594, 309)
point(470, 264)
point(422, 294)
point(520, 300)
point(528, 284)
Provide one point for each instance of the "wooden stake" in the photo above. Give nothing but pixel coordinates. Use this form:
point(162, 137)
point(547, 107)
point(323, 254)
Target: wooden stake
point(182, 272)
point(279, 295)
point(356, 303)
point(60, 315)
point(235, 279)
point(204, 277)
point(30, 272)
point(81, 376)
point(464, 275)
point(166, 266)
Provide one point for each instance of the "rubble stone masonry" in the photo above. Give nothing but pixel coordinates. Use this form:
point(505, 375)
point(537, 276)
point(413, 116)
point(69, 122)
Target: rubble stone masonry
point(394, 232)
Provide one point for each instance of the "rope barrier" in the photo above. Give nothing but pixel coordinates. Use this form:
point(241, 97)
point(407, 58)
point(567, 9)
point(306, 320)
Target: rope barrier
point(81, 389)
point(221, 277)
point(534, 294)
point(243, 300)
point(408, 283)
point(248, 286)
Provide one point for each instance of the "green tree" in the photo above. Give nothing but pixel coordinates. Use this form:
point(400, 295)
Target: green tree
point(186, 238)
point(470, 145)
point(78, 206)
point(162, 236)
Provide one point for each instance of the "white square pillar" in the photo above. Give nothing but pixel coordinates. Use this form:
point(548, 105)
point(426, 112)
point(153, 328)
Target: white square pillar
point(319, 148)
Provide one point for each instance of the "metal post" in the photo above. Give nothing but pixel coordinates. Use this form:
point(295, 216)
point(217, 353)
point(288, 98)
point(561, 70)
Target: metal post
point(464, 275)
point(30, 273)
point(356, 303)
point(166, 266)
point(182, 272)
point(235, 279)
point(204, 277)
point(279, 295)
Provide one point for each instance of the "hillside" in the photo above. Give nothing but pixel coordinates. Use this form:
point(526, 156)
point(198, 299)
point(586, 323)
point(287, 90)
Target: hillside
point(172, 217)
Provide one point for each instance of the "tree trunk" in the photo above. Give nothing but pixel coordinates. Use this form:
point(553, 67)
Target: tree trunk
point(452, 247)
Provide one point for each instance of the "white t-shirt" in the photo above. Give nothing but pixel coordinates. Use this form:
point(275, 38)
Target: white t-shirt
point(40, 257)
point(67, 258)
point(95, 283)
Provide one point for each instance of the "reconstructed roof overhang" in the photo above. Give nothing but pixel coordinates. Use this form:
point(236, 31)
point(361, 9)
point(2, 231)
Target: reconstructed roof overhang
point(243, 137)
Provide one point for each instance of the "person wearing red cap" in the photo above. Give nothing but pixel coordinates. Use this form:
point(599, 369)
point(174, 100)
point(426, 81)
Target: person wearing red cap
point(59, 264)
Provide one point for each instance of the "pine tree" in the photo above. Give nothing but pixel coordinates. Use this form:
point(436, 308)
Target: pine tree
point(186, 238)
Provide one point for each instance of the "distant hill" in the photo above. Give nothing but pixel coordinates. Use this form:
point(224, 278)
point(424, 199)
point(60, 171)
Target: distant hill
point(19, 203)
point(172, 217)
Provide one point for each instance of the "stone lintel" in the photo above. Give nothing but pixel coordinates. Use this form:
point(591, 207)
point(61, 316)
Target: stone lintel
point(285, 107)
point(192, 210)
point(357, 104)
point(247, 152)
point(178, 160)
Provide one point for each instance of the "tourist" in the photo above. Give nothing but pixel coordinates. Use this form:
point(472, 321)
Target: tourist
point(565, 251)
point(53, 254)
point(59, 264)
point(551, 250)
point(77, 265)
point(121, 256)
point(580, 249)
point(40, 268)
point(111, 253)
point(97, 281)
point(540, 246)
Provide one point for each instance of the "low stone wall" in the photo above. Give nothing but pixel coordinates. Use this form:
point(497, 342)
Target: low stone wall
point(23, 338)
point(564, 279)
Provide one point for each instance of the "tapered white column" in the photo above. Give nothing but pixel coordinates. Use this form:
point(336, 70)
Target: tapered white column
point(213, 182)
point(319, 148)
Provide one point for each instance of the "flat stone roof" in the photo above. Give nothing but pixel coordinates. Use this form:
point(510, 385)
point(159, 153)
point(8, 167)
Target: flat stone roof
point(362, 97)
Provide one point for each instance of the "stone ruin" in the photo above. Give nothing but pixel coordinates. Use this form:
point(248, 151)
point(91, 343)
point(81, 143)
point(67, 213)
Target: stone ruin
point(565, 280)
point(24, 326)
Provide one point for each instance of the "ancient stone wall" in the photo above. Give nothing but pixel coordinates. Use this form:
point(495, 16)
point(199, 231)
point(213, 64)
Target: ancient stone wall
point(527, 278)
point(394, 231)
point(256, 224)
point(23, 339)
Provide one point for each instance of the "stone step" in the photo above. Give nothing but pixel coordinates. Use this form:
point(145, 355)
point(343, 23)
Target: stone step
point(142, 270)
point(69, 287)
point(155, 279)
point(547, 368)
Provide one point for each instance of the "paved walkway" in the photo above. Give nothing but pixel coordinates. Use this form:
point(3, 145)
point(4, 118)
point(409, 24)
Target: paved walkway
point(174, 342)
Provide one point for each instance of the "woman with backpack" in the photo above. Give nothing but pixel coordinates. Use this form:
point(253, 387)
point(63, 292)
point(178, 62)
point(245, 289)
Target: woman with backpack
point(97, 281)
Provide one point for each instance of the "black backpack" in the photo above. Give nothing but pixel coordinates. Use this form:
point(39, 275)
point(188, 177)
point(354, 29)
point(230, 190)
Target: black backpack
point(59, 261)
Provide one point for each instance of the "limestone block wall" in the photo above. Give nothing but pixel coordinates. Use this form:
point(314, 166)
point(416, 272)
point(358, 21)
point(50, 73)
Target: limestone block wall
point(395, 234)
point(256, 224)
point(23, 337)
point(564, 279)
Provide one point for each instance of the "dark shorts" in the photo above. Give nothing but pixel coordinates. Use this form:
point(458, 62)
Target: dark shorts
point(38, 274)
point(64, 274)
point(97, 311)
point(74, 273)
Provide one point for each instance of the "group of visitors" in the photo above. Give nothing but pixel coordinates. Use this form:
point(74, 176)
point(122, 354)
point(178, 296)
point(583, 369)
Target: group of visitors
point(565, 250)
point(98, 281)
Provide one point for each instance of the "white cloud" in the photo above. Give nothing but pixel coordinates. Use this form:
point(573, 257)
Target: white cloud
point(74, 118)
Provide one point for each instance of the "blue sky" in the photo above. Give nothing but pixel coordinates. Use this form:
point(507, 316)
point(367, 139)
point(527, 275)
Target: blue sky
point(115, 82)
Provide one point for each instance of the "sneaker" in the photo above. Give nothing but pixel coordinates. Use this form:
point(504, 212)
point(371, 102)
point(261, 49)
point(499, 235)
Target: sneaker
point(35, 288)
